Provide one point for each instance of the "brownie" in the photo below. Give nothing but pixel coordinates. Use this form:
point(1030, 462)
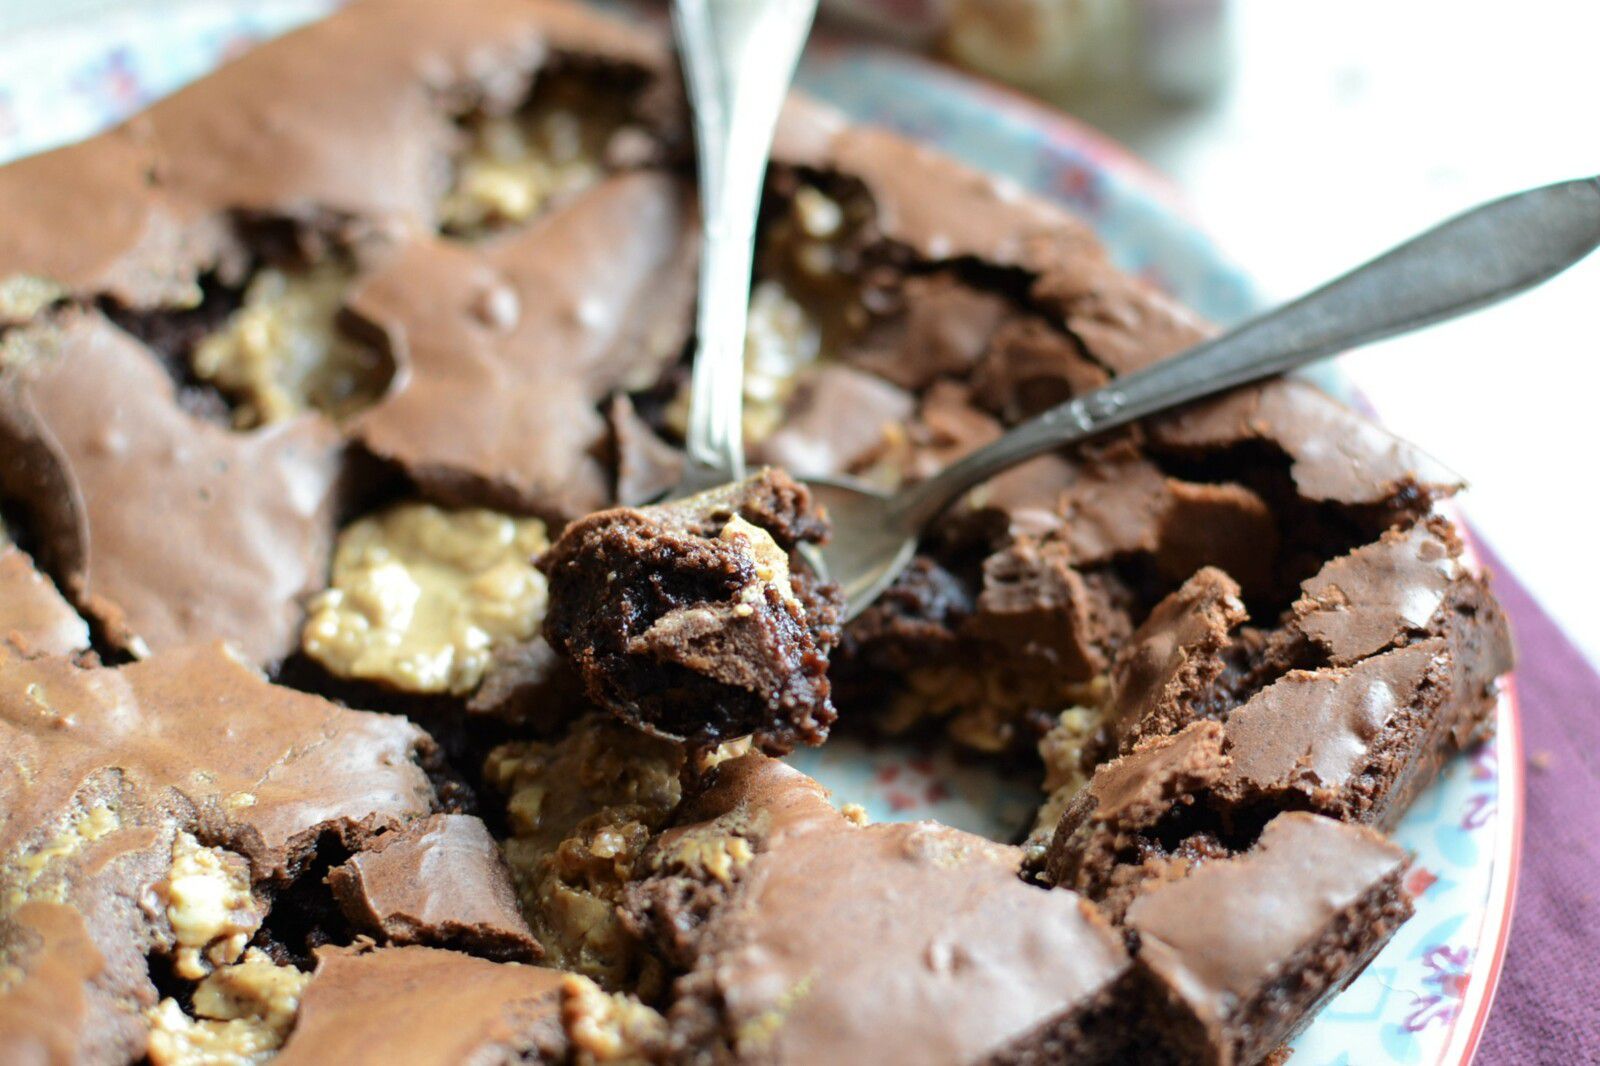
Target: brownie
point(98, 445)
point(529, 685)
point(1165, 674)
point(440, 881)
point(507, 349)
point(1409, 585)
point(296, 163)
point(1141, 817)
point(945, 331)
point(690, 619)
point(1037, 605)
point(1129, 522)
point(1379, 672)
point(1412, 643)
point(647, 465)
point(803, 936)
point(919, 615)
point(136, 826)
point(1354, 742)
point(34, 619)
point(1351, 742)
point(1116, 502)
point(1335, 455)
point(838, 420)
point(1233, 978)
point(364, 1005)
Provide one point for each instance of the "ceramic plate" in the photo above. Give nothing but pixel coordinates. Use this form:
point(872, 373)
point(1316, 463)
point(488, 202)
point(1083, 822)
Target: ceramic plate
point(1425, 998)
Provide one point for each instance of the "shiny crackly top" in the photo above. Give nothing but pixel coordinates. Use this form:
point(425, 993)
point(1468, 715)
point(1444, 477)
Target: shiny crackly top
point(964, 957)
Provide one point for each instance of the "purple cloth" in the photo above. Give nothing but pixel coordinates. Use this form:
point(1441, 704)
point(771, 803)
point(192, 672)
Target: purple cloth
point(1547, 1009)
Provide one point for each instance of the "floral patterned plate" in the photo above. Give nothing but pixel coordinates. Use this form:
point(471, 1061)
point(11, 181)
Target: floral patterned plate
point(1425, 998)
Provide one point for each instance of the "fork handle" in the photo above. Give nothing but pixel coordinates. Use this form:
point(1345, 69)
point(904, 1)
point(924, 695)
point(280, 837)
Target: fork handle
point(1470, 261)
point(738, 58)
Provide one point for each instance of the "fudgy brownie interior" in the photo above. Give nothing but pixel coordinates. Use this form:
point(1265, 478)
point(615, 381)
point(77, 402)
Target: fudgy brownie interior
point(691, 620)
point(358, 699)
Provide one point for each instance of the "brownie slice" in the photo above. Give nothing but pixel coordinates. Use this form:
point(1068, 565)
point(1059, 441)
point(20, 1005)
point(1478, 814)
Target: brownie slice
point(506, 350)
point(805, 937)
point(1414, 645)
point(1352, 742)
point(157, 810)
point(34, 619)
point(917, 618)
point(687, 620)
point(1036, 605)
point(837, 420)
point(528, 685)
point(1116, 502)
point(164, 528)
point(440, 881)
point(1380, 595)
point(1383, 669)
point(1164, 675)
point(1239, 954)
point(1336, 456)
point(1409, 585)
point(646, 465)
point(1176, 669)
point(1141, 817)
point(567, 274)
point(426, 1006)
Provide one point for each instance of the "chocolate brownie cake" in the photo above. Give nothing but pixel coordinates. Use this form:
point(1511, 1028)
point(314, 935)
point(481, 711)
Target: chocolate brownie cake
point(360, 698)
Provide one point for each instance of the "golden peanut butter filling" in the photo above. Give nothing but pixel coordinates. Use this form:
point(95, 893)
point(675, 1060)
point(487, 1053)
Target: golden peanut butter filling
point(242, 1013)
point(282, 352)
point(515, 165)
point(1065, 770)
point(22, 296)
point(981, 705)
point(243, 1004)
point(420, 597)
point(610, 1027)
point(209, 905)
point(801, 307)
point(770, 561)
point(581, 811)
point(781, 339)
point(38, 872)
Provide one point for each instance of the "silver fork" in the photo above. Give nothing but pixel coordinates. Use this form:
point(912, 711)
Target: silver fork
point(738, 58)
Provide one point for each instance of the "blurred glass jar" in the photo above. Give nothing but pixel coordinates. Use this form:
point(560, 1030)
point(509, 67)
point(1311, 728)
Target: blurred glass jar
point(1175, 49)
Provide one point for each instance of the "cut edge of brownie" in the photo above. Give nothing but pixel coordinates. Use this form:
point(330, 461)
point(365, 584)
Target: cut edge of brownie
point(1243, 1028)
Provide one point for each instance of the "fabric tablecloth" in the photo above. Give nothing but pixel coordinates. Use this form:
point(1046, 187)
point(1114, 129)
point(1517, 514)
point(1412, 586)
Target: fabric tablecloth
point(1547, 1009)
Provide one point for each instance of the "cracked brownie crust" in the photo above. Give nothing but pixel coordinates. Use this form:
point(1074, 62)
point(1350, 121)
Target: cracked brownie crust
point(804, 937)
